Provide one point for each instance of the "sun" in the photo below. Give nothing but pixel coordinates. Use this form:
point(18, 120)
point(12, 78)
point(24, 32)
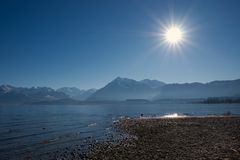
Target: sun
point(173, 35)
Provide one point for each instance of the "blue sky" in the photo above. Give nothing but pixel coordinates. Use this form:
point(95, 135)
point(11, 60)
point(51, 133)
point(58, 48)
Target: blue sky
point(88, 43)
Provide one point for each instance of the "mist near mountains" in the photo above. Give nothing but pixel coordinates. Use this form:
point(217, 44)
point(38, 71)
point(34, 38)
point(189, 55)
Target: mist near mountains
point(76, 93)
point(121, 89)
point(15, 95)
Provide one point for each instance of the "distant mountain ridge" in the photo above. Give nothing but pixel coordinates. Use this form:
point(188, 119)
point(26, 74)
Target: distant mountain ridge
point(123, 88)
point(15, 95)
point(227, 88)
point(153, 83)
point(120, 89)
point(76, 93)
point(11, 94)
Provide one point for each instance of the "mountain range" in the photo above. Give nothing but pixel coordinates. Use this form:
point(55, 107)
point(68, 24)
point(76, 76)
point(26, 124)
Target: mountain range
point(18, 95)
point(15, 95)
point(120, 89)
point(76, 93)
point(229, 88)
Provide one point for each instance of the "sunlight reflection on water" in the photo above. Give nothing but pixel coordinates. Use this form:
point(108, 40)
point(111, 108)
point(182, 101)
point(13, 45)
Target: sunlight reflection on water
point(174, 115)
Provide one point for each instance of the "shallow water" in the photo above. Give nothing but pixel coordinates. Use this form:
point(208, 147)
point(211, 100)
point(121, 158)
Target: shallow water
point(37, 130)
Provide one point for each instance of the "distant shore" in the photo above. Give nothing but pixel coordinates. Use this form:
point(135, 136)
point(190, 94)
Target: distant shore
point(175, 138)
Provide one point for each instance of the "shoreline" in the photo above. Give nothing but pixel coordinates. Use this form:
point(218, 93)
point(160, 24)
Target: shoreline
point(215, 137)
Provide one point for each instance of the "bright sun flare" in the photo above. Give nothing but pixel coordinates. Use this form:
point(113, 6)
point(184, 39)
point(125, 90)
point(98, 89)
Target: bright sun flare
point(173, 35)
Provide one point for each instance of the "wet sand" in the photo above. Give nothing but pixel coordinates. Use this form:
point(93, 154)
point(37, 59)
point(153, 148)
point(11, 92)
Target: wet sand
point(174, 138)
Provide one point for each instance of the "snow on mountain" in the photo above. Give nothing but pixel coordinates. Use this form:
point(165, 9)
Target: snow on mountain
point(76, 93)
point(6, 89)
point(10, 94)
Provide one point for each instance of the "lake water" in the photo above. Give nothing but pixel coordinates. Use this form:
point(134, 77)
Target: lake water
point(32, 131)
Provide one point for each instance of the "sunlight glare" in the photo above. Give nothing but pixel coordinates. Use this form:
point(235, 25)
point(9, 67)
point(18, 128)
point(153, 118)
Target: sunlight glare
point(173, 35)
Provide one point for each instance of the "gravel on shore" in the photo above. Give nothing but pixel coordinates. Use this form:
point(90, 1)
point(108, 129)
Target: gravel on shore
point(174, 138)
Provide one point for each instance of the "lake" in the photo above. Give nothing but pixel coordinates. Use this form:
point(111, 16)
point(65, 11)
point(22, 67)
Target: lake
point(33, 131)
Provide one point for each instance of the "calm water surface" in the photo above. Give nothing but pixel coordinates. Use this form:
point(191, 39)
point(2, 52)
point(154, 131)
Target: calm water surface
point(36, 130)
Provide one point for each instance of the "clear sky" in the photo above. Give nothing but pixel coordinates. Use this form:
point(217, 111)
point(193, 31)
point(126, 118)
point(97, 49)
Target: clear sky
point(88, 43)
